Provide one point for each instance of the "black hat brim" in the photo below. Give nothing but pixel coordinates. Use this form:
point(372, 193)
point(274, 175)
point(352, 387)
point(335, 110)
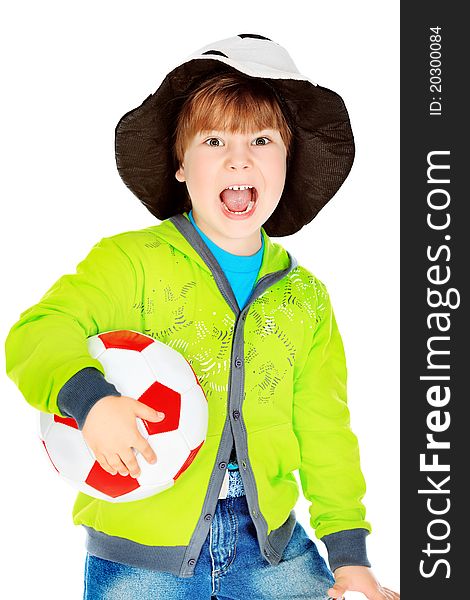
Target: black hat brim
point(321, 157)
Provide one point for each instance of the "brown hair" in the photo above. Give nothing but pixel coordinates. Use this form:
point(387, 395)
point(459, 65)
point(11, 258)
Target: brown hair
point(229, 102)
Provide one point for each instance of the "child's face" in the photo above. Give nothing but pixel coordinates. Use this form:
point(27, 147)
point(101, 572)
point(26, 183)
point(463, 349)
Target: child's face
point(215, 160)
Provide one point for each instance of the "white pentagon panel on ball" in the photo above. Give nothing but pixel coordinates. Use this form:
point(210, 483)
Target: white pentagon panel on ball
point(169, 367)
point(95, 346)
point(69, 452)
point(145, 491)
point(128, 371)
point(46, 421)
point(194, 416)
point(171, 450)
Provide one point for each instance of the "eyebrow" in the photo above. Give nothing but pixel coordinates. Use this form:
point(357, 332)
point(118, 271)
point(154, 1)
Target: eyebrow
point(223, 132)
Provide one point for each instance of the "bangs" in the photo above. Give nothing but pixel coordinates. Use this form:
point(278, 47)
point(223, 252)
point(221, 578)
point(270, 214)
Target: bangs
point(234, 114)
point(233, 103)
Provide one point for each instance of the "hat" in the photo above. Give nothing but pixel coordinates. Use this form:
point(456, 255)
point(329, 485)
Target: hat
point(322, 150)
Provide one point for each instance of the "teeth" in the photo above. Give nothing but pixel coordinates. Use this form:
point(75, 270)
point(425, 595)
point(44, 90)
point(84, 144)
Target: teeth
point(239, 187)
point(247, 209)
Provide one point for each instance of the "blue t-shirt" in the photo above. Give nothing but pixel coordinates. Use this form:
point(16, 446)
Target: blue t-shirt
point(241, 271)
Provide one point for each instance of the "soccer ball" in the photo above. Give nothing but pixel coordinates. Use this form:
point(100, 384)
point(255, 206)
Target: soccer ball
point(157, 375)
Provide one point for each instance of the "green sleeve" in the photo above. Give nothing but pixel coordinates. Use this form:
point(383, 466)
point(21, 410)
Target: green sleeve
point(330, 471)
point(47, 346)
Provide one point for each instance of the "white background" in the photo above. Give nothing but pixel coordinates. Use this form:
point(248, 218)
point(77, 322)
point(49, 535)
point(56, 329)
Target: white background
point(71, 70)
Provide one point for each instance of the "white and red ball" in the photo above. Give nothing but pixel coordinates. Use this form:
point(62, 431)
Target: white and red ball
point(157, 375)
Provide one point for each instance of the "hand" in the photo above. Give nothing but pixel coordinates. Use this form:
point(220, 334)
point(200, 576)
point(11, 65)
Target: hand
point(111, 432)
point(359, 579)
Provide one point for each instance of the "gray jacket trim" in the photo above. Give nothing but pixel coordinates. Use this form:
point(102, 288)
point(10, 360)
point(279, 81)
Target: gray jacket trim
point(81, 392)
point(347, 547)
point(122, 550)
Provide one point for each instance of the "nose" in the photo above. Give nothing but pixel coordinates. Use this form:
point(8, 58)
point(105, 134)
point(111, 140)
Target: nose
point(238, 159)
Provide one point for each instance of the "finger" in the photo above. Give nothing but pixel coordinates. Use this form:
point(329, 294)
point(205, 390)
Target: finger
point(142, 446)
point(392, 594)
point(149, 414)
point(115, 461)
point(130, 461)
point(336, 591)
point(380, 595)
point(105, 465)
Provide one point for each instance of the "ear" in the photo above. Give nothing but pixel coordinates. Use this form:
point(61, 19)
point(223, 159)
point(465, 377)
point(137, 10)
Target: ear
point(180, 174)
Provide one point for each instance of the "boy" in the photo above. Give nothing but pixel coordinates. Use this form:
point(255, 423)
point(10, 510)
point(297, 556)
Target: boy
point(233, 146)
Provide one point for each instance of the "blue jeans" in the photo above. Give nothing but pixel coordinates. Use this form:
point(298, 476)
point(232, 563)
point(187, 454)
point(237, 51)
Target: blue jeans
point(230, 566)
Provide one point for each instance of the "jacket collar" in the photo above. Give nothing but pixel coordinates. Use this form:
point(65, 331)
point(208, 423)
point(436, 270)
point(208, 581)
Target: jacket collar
point(181, 234)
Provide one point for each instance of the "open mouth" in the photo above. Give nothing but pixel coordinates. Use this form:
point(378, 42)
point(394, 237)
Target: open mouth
point(239, 199)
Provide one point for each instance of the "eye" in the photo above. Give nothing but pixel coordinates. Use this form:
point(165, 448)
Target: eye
point(262, 141)
point(210, 141)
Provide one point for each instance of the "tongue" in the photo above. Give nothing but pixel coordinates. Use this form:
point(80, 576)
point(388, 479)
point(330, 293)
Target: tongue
point(236, 200)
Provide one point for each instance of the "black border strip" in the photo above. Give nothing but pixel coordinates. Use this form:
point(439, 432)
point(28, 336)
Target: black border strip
point(434, 292)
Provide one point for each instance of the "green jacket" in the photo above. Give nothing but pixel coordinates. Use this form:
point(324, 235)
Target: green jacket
point(274, 375)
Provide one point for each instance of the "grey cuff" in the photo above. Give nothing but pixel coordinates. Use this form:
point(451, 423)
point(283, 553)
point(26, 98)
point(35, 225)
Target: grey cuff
point(347, 548)
point(81, 392)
